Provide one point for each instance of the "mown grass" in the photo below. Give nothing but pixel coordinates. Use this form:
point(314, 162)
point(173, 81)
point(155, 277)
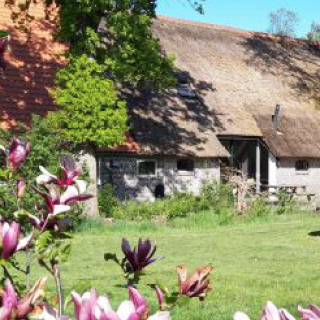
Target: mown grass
point(270, 258)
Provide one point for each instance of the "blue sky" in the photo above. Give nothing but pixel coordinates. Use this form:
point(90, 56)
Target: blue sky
point(244, 14)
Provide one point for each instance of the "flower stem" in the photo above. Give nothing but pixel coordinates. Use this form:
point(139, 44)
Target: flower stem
point(57, 278)
point(7, 274)
point(28, 268)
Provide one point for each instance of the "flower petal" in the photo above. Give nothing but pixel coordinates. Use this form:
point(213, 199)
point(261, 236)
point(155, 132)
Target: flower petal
point(240, 316)
point(77, 300)
point(164, 315)
point(104, 304)
point(81, 185)
point(10, 241)
point(137, 299)
point(271, 312)
point(307, 314)
point(315, 309)
point(23, 243)
point(285, 315)
point(59, 208)
point(125, 310)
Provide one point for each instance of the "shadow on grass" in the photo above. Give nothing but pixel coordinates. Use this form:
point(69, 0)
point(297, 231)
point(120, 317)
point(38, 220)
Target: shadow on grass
point(314, 233)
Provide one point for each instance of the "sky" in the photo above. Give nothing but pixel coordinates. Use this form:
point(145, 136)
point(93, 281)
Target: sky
point(244, 14)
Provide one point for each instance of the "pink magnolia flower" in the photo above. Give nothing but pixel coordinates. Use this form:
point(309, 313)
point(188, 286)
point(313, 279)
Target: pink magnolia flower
point(56, 204)
point(17, 153)
point(160, 297)
point(270, 312)
point(140, 257)
point(21, 186)
point(70, 173)
point(311, 313)
point(91, 307)
point(15, 308)
point(9, 239)
point(196, 285)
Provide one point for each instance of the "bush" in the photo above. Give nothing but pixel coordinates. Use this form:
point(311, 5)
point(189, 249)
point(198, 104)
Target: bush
point(258, 208)
point(107, 201)
point(217, 196)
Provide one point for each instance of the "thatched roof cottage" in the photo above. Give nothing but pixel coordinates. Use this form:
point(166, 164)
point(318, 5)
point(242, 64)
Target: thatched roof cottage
point(243, 99)
point(223, 111)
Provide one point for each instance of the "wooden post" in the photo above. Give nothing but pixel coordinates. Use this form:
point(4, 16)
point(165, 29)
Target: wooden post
point(258, 163)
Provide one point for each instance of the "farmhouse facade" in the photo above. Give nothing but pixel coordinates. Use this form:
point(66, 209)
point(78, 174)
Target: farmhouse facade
point(244, 100)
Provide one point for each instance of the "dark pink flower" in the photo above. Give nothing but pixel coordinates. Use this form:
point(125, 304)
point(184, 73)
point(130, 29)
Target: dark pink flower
point(21, 186)
point(70, 173)
point(90, 306)
point(196, 285)
point(56, 204)
point(139, 257)
point(9, 239)
point(17, 153)
point(15, 308)
point(270, 312)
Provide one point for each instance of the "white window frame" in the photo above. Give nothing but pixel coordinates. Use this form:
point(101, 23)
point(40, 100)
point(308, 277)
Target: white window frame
point(147, 175)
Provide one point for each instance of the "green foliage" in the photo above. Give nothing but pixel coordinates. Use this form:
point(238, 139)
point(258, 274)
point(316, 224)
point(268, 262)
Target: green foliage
point(258, 208)
point(46, 148)
point(118, 35)
point(215, 197)
point(3, 33)
point(92, 112)
point(107, 201)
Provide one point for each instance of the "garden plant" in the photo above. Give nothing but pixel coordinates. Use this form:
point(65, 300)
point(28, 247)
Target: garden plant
point(43, 234)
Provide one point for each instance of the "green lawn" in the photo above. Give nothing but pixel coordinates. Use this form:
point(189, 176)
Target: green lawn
point(271, 259)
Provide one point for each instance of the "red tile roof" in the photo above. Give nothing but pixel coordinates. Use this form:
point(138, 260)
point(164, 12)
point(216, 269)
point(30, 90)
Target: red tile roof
point(31, 61)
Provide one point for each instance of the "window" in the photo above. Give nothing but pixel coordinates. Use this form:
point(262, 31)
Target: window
point(185, 165)
point(115, 164)
point(185, 91)
point(147, 167)
point(302, 165)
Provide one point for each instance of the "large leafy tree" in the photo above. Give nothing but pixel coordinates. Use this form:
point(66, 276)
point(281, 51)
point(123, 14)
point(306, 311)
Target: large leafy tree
point(110, 40)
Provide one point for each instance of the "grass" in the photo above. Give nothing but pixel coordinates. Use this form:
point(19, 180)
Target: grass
point(273, 258)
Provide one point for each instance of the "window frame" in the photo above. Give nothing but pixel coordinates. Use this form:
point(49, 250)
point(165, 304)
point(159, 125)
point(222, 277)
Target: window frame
point(303, 162)
point(147, 175)
point(186, 172)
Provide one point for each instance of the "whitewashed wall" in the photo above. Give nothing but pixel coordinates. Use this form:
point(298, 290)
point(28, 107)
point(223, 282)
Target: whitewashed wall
point(287, 174)
point(129, 185)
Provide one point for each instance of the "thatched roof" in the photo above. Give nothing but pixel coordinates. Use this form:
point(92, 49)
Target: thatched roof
point(241, 76)
point(168, 124)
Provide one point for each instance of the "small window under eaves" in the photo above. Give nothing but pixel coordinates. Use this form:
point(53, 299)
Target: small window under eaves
point(185, 91)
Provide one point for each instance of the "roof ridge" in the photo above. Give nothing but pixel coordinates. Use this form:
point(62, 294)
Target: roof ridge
point(238, 31)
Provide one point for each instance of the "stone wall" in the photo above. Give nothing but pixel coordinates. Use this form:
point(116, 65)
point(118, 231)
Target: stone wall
point(130, 185)
point(288, 175)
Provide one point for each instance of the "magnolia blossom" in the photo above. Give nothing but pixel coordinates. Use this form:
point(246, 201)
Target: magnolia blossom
point(90, 306)
point(160, 297)
point(196, 285)
point(139, 257)
point(9, 239)
point(270, 312)
point(70, 173)
point(17, 153)
point(21, 186)
point(311, 313)
point(56, 204)
point(15, 308)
